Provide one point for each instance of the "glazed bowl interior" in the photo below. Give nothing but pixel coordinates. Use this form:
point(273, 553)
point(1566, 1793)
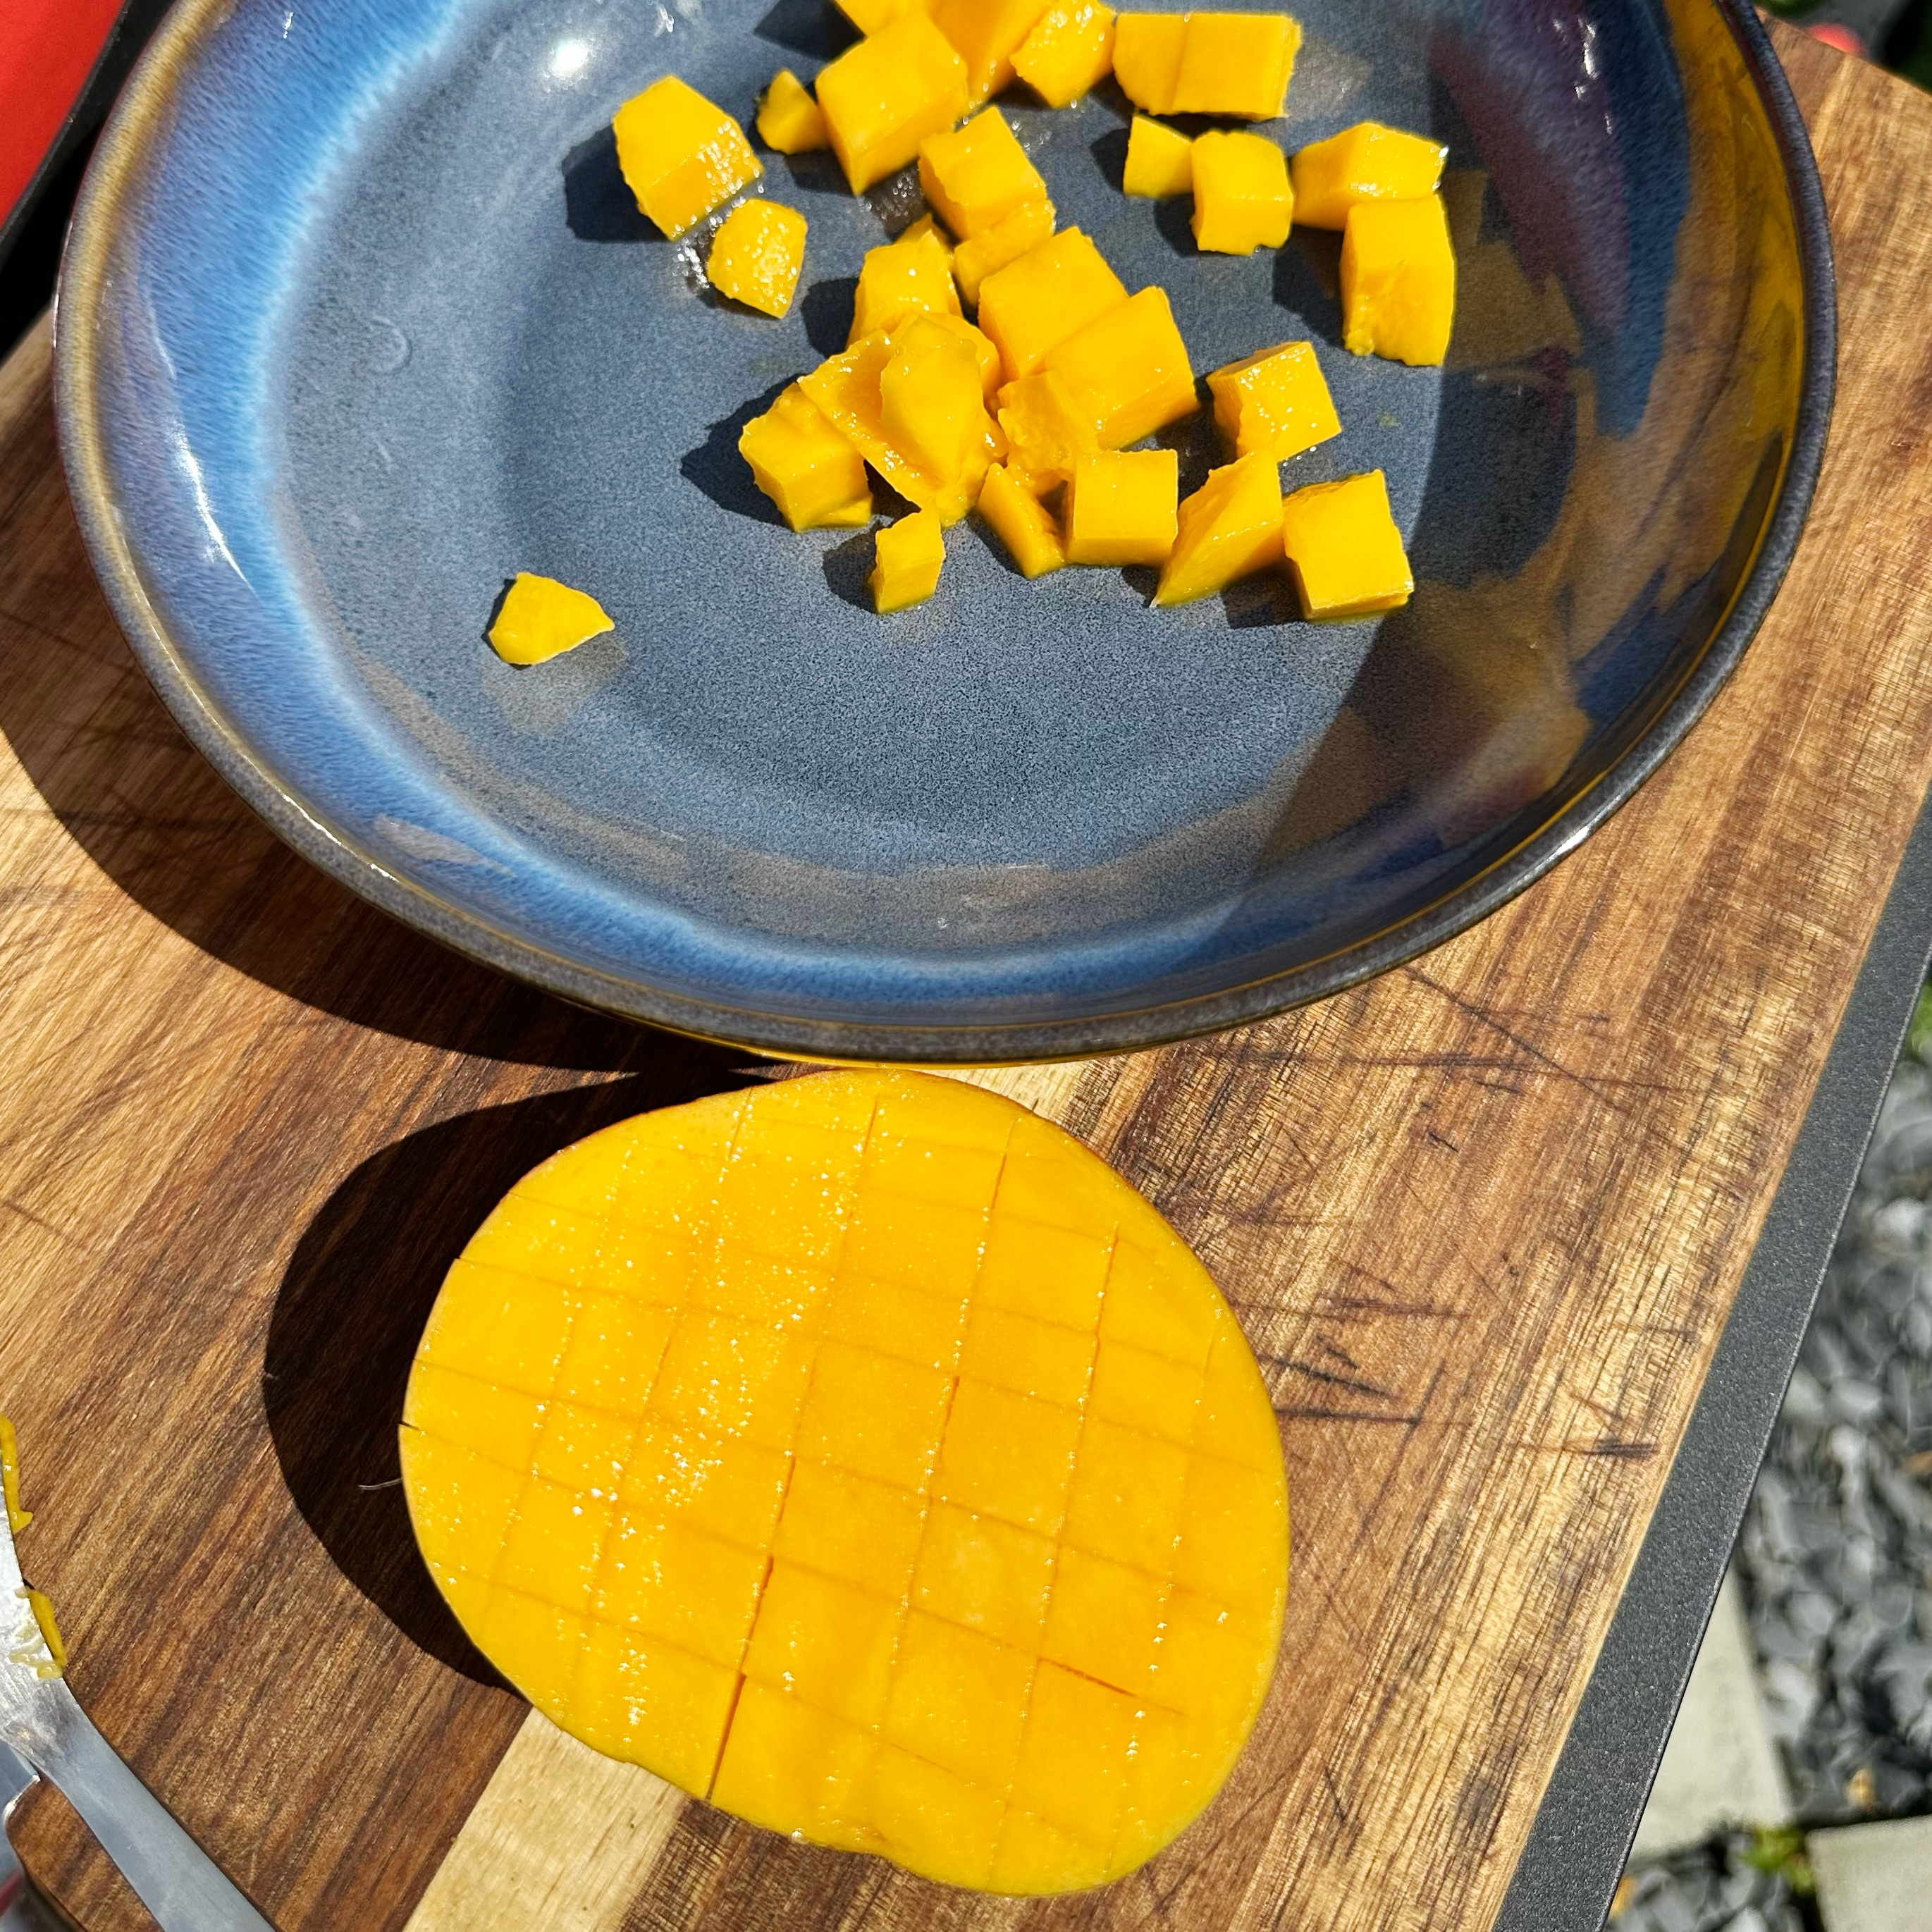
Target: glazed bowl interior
point(359, 319)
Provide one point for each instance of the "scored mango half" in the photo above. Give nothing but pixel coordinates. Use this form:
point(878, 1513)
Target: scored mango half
point(864, 1454)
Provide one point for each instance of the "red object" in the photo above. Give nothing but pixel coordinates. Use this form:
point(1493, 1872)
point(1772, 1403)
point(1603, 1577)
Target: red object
point(1843, 38)
point(48, 48)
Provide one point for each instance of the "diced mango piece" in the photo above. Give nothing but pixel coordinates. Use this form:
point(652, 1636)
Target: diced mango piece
point(1242, 198)
point(1160, 160)
point(682, 155)
point(1047, 428)
point(1128, 369)
point(992, 372)
point(883, 97)
point(1026, 227)
point(1275, 401)
point(811, 473)
point(869, 16)
point(1034, 304)
point(930, 400)
point(539, 617)
point(1008, 501)
point(756, 253)
point(901, 278)
point(927, 224)
point(1344, 549)
point(1236, 63)
point(1367, 162)
point(976, 176)
point(1147, 58)
point(988, 34)
point(1120, 507)
point(1398, 280)
point(1069, 50)
point(907, 558)
point(1230, 527)
point(1007, 1620)
point(789, 119)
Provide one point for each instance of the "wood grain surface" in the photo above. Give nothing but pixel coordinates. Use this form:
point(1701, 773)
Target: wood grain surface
point(1483, 1220)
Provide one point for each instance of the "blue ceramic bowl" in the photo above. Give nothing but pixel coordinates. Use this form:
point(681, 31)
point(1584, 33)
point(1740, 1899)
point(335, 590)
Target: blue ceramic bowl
point(357, 319)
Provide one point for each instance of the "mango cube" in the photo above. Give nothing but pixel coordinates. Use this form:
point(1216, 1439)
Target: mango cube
point(992, 373)
point(756, 253)
point(1230, 527)
point(811, 473)
point(930, 400)
point(789, 119)
point(883, 97)
point(1128, 369)
point(1026, 227)
point(1367, 162)
point(539, 617)
point(1237, 64)
point(1031, 305)
point(1343, 548)
point(1147, 58)
point(682, 155)
point(1398, 280)
point(987, 33)
point(1160, 160)
point(1009, 501)
point(1047, 427)
point(907, 558)
point(911, 276)
point(1242, 198)
point(1120, 507)
point(1274, 401)
point(976, 176)
point(869, 16)
point(1069, 50)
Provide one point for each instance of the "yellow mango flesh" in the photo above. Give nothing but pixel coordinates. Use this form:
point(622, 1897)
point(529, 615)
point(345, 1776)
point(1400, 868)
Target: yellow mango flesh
point(907, 558)
point(862, 1454)
point(1030, 305)
point(1147, 58)
point(1242, 200)
point(1069, 51)
point(682, 155)
point(901, 278)
point(976, 176)
point(1047, 428)
point(540, 618)
point(756, 253)
point(930, 400)
point(1229, 528)
point(812, 474)
point(1398, 280)
point(1009, 502)
point(1159, 160)
point(1238, 63)
point(1275, 402)
point(1343, 549)
point(1128, 369)
point(987, 33)
point(1367, 162)
point(1120, 507)
point(789, 119)
point(1025, 228)
point(884, 96)
point(869, 16)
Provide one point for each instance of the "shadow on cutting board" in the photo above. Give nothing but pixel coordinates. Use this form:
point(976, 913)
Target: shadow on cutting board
point(352, 1306)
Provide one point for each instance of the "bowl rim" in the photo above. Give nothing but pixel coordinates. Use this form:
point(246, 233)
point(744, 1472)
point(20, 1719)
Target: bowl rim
point(80, 293)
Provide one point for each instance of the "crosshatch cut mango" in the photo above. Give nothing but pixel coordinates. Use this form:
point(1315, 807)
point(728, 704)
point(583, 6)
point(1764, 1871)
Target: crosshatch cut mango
point(864, 1454)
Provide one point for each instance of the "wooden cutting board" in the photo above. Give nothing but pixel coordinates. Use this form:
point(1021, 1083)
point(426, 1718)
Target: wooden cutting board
point(1483, 1220)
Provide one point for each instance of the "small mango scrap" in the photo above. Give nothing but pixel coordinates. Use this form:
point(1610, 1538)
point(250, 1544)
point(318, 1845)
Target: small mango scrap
point(756, 253)
point(1398, 280)
point(1343, 548)
point(1275, 401)
point(1047, 427)
point(1368, 162)
point(883, 97)
point(683, 155)
point(814, 476)
point(1069, 51)
point(901, 278)
point(1128, 369)
point(1234, 64)
point(1009, 500)
point(1229, 528)
point(1032, 304)
point(1026, 227)
point(974, 177)
point(907, 557)
point(861, 1452)
point(1160, 160)
point(1242, 198)
point(987, 33)
point(540, 618)
point(789, 119)
point(1120, 506)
